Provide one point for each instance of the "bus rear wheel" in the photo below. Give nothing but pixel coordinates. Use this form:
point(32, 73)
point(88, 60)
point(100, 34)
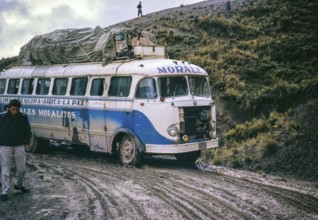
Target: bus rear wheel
point(129, 153)
point(188, 158)
point(38, 145)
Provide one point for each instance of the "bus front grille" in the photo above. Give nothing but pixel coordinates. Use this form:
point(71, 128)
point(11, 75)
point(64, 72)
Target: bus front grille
point(197, 122)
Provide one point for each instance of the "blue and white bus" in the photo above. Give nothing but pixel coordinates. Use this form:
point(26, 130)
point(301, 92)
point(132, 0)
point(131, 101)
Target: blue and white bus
point(145, 106)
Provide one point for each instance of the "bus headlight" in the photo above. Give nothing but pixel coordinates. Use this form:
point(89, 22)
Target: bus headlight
point(173, 131)
point(212, 134)
point(185, 138)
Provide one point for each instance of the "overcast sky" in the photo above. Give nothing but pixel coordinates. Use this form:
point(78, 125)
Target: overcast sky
point(21, 20)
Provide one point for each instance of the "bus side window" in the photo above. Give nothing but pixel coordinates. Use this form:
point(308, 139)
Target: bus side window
point(60, 86)
point(147, 89)
point(2, 86)
point(97, 87)
point(119, 86)
point(13, 86)
point(43, 86)
point(78, 87)
point(27, 86)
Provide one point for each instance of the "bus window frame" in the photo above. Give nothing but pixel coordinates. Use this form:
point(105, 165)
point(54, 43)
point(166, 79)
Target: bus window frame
point(15, 85)
point(92, 83)
point(206, 81)
point(49, 87)
point(66, 88)
point(155, 94)
point(32, 84)
point(71, 91)
point(5, 86)
point(175, 84)
point(118, 88)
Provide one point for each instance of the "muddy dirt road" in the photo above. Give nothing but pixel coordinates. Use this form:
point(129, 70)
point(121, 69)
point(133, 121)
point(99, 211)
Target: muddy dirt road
point(65, 185)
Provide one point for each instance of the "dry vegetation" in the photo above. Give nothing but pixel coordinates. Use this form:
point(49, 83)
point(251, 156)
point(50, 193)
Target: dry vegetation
point(263, 63)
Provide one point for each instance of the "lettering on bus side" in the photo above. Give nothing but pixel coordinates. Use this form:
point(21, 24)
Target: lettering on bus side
point(179, 69)
point(52, 101)
point(48, 113)
point(4, 99)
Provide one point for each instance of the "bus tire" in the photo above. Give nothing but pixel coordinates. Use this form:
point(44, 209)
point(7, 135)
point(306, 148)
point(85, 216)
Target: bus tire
point(129, 153)
point(38, 145)
point(188, 158)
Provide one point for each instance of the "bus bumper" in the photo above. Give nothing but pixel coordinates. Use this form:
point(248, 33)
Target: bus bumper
point(181, 148)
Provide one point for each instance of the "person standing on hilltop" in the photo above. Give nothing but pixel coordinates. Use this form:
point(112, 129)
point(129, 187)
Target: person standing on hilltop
point(228, 6)
point(15, 133)
point(139, 6)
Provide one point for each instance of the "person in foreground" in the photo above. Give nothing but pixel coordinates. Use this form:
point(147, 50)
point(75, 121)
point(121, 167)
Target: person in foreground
point(15, 133)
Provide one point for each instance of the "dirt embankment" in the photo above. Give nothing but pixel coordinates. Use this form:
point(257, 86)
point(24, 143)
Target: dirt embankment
point(65, 185)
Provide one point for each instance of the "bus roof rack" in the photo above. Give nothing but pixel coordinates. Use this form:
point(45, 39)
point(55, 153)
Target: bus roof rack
point(144, 52)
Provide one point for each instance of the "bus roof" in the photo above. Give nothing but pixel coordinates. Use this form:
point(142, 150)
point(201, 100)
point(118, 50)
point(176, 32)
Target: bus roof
point(147, 67)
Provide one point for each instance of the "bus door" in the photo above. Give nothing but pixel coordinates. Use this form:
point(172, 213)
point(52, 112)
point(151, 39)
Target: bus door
point(96, 114)
point(147, 106)
point(119, 105)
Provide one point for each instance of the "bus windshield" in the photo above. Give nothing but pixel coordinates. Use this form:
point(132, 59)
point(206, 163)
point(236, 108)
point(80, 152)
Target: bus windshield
point(173, 86)
point(199, 86)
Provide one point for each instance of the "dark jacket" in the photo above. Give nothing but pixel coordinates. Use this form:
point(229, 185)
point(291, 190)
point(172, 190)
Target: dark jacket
point(14, 131)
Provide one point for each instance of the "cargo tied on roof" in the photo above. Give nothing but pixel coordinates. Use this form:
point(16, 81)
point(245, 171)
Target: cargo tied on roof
point(84, 45)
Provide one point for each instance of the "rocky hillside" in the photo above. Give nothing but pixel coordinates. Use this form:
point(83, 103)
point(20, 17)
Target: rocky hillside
point(262, 60)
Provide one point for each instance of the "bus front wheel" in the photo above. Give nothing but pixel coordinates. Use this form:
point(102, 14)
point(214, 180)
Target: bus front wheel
point(129, 153)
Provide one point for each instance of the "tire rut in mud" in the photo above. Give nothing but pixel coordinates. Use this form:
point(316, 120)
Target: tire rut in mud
point(74, 186)
point(260, 200)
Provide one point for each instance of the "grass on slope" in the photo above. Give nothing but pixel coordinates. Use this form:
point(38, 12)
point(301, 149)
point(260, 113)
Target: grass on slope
point(264, 59)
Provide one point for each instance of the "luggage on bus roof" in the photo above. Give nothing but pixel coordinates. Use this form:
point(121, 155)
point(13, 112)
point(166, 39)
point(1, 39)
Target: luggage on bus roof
point(64, 46)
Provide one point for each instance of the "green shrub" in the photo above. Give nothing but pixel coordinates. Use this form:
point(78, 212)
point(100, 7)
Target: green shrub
point(250, 129)
point(267, 145)
point(217, 160)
